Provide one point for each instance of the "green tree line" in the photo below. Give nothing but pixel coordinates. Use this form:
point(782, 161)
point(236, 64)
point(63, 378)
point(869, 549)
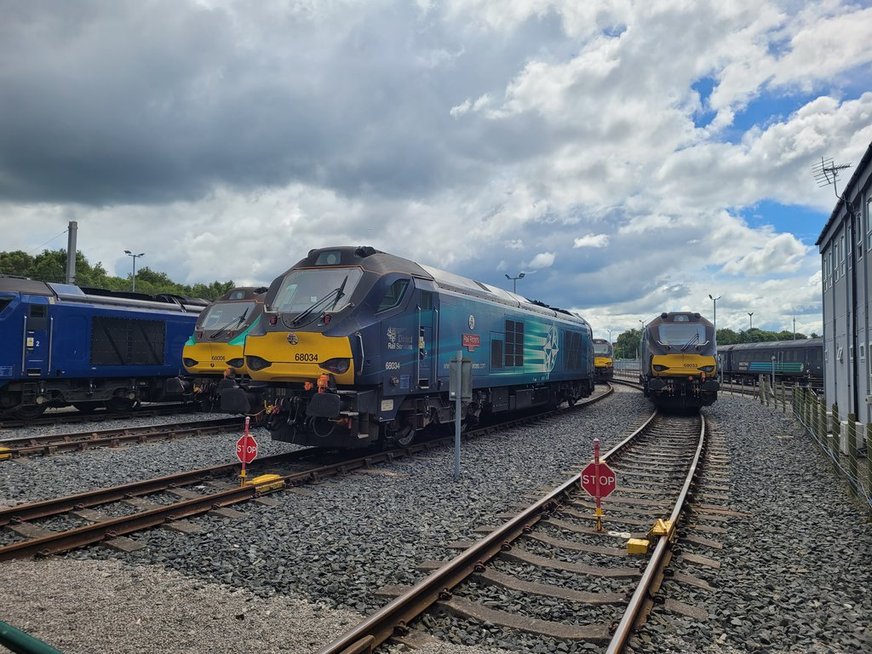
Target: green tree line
point(627, 344)
point(51, 266)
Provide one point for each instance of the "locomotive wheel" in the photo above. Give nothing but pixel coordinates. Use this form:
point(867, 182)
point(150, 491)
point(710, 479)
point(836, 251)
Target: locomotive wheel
point(86, 407)
point(120, 404)
point(30, 411)
point(401, 430)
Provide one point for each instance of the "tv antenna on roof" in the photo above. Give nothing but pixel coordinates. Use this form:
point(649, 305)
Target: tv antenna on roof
point(826, 173)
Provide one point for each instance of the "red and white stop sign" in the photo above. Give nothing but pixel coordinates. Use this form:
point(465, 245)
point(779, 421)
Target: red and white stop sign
point(602, 473)
point(246, 448)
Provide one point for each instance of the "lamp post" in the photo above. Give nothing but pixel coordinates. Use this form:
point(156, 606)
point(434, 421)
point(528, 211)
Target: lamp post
point(750, 320)
point(515, 281)
point(794, 328)
point(715, 318)
point(130, 254)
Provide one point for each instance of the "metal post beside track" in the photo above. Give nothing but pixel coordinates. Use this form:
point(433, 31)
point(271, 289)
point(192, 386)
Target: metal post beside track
point(852, 451)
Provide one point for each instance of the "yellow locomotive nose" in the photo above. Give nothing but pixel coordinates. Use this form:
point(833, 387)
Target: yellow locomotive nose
point(299, 357)
point(680, 365)
point(211, 358)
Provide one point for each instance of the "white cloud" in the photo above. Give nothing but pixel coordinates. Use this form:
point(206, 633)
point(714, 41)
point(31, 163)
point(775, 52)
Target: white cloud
point(591, 241)
point(541, 260)
point(474, 136)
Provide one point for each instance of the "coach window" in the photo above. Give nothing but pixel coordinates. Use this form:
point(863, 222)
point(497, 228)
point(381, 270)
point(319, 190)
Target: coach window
point(393, 295)
point(862, 353)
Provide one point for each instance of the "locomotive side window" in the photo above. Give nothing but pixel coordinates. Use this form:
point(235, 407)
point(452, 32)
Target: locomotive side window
point(496, 354)
point(36, 318)
point(393, 295)
point(572, 342)
point(514, 343)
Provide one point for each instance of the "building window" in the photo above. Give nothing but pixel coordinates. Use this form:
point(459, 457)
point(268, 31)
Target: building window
point(862, 353)
point(869, 224)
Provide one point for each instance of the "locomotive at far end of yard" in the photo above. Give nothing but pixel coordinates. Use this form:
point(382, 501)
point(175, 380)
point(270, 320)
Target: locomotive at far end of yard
point(357, 344)
point(679, 365)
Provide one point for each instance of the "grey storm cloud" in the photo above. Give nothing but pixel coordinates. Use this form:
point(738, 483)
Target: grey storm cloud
point(150, 102)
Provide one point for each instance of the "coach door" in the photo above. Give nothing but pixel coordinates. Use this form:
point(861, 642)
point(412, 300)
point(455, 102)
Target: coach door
point(36, 346)
point(427, 346)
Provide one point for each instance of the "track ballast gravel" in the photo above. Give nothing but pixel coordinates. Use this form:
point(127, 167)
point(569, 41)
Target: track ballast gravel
point(795, 574)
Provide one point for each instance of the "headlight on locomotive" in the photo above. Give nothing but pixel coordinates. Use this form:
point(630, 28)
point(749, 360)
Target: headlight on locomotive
point(660, 368)
point(336, 366)
point(189, 363)
point(256, 363)
point(236, 363)
point(707, 368)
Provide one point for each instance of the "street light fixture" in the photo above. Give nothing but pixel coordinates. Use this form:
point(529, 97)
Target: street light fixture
point(515, 281)
point(750, 320)
point(715, 318)
point(130, 254)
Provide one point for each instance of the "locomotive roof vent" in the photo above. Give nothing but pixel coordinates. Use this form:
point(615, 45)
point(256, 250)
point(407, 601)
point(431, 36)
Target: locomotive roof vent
point(696, 316)
point(664, 315)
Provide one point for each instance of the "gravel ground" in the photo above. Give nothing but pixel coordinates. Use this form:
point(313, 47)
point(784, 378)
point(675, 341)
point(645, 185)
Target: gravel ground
point(36, 478)
point(298, 572)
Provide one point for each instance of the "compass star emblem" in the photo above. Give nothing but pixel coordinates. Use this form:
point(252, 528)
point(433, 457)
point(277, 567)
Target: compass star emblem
point(550, 348)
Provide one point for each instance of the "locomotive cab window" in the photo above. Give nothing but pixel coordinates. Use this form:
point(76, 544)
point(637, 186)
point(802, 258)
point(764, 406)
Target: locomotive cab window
point(326, 288)
point(394, 295)
point(681, 334)
point(225, 315)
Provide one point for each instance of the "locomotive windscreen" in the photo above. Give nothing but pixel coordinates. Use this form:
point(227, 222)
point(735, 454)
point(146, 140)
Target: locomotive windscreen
point(125, 342)
point(225, 315)
point(302, 289)
point(681, 333)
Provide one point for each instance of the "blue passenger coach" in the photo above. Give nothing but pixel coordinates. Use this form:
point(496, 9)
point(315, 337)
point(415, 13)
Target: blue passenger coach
point(61, 344)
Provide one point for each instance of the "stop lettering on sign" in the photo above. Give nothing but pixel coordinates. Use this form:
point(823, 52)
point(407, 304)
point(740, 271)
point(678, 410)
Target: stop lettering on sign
point(598, 480)
point(246, 449)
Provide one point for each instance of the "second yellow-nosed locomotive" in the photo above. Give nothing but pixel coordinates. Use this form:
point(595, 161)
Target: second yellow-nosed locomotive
point(679, 361)
point(215, 350)
point(603, 359)
point(356, 348)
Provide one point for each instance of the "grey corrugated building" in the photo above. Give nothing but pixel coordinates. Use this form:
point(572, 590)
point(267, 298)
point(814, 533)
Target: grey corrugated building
point(846, 258)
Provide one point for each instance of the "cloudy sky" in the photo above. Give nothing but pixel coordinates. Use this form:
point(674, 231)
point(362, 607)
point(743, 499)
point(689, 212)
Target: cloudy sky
point(628, 157)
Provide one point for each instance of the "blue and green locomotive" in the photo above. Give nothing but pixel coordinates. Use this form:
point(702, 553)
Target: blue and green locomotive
point(61, 344)
point(356, 347)
point(214, 350)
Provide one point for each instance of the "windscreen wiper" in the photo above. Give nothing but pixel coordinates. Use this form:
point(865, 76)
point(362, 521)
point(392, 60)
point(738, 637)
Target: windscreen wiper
point(336, 292)
point(235, 321)
point(693, 339)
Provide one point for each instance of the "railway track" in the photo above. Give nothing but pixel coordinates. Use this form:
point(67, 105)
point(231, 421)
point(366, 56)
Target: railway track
point(65, 523)
point(72, 416)
point(564, 580)
point(76, 441)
